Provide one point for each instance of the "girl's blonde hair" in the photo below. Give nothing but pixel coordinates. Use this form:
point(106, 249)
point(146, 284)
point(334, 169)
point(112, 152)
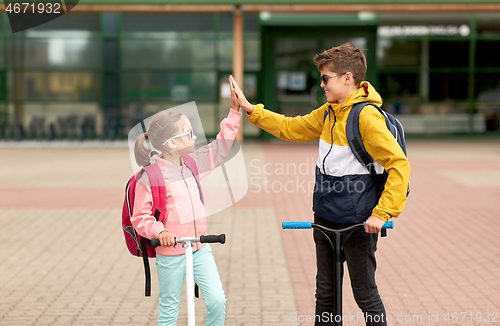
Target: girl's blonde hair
point(163, 126)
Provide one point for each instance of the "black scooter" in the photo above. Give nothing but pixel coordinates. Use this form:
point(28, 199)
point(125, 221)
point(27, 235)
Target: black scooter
point(338, 248)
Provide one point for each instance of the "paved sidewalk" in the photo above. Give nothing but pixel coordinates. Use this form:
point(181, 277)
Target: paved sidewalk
point(441, 263)
point(63, 259)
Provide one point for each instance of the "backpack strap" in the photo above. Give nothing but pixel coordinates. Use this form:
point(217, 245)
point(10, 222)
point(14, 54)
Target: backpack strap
point(358, 148)
point(129, 202)
point(325, 115)
point(191, 164)
point(158, 190)
point(159, 194)
point(147, 270)
point(354, 137)
point(356, 143)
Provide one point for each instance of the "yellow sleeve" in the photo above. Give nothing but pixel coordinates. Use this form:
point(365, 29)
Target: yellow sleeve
point(383, 147)
point(298, 129)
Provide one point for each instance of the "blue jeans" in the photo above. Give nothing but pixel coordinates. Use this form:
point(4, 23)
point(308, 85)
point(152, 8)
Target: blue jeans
point(171, 274)
point(359, 253)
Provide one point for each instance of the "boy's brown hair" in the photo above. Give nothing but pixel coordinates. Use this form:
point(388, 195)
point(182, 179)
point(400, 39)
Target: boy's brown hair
point(341, 59)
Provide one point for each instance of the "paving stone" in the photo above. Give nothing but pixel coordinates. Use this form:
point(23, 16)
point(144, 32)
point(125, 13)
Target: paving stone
point(64, 261)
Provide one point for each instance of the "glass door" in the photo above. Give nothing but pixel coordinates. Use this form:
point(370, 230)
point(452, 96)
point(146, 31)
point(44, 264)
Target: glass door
point(291, 80)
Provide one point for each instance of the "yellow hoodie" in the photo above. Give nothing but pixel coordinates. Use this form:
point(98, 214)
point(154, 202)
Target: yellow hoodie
point(337, 167)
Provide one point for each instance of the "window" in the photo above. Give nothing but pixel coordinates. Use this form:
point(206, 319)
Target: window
point(67, 24)
point(392, 53)
point(448, 86)
point(293, 53)
point(55, 53)
point(488, 87)
point(449, 54)
point(251, 53)
point(169, 86)
point(487, 54)
point(250, 22)
point(1, 53)
point(251, 41)
point(399, 85)
point(168, 53)
point(68, 86)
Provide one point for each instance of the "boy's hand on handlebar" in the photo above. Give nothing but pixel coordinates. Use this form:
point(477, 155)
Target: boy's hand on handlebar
point(242, 101)
point(374, 224)
point(166, 239)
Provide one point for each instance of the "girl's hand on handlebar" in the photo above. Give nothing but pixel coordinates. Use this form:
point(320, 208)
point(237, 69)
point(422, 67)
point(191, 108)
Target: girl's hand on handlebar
point(374, 224)
point(166, 239)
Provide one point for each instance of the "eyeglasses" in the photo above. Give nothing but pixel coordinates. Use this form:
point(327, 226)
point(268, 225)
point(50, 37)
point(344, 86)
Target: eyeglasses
point(189, 132)
point(324, 78)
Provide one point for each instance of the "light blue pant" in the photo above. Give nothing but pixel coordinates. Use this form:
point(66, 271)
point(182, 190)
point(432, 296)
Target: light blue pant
point(171, 274)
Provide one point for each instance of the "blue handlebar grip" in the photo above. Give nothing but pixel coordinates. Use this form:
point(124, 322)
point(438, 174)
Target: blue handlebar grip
point(296, 225)
point(387, 225)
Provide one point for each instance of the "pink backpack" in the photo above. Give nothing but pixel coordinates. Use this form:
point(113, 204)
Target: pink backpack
point(136, 244)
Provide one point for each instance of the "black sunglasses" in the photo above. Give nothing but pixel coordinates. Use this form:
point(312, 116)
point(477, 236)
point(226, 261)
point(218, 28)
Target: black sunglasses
point(324, 78)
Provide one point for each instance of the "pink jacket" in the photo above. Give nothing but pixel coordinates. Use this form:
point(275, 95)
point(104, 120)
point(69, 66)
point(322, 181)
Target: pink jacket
point(185, 212)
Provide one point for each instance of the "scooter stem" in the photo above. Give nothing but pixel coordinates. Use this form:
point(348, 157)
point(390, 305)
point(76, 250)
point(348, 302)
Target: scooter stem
point(339, 273)
point(188, 249)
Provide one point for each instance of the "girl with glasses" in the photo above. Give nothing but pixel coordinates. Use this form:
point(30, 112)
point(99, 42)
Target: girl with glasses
point(172, 135)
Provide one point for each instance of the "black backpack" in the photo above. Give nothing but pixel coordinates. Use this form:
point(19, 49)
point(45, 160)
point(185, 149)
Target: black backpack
point(358, 148)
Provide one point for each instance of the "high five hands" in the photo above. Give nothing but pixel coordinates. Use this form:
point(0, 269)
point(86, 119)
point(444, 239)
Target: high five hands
point(237, 94)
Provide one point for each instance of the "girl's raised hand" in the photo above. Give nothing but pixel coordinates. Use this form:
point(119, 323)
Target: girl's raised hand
point(234, 99)
point(240, 97)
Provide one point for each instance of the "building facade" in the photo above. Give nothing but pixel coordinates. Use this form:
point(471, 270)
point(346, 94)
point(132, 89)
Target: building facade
point(100, 69)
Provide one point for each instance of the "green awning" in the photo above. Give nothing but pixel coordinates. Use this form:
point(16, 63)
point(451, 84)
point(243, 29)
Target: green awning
point(311, 19)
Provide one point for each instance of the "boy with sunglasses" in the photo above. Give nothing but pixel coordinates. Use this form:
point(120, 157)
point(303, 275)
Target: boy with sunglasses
point(337, 203)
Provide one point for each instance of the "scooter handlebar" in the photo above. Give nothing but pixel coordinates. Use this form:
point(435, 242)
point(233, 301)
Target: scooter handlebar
point(221, 238)
point(296, 225)
point(387, 225)
point(155, 243)
point(308, 225)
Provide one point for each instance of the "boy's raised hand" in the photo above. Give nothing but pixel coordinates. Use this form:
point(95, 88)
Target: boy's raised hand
point(240, 97)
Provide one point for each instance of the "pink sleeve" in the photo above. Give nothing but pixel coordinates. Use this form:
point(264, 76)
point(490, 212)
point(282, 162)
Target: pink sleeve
point(212, 155)
point(145, 224)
